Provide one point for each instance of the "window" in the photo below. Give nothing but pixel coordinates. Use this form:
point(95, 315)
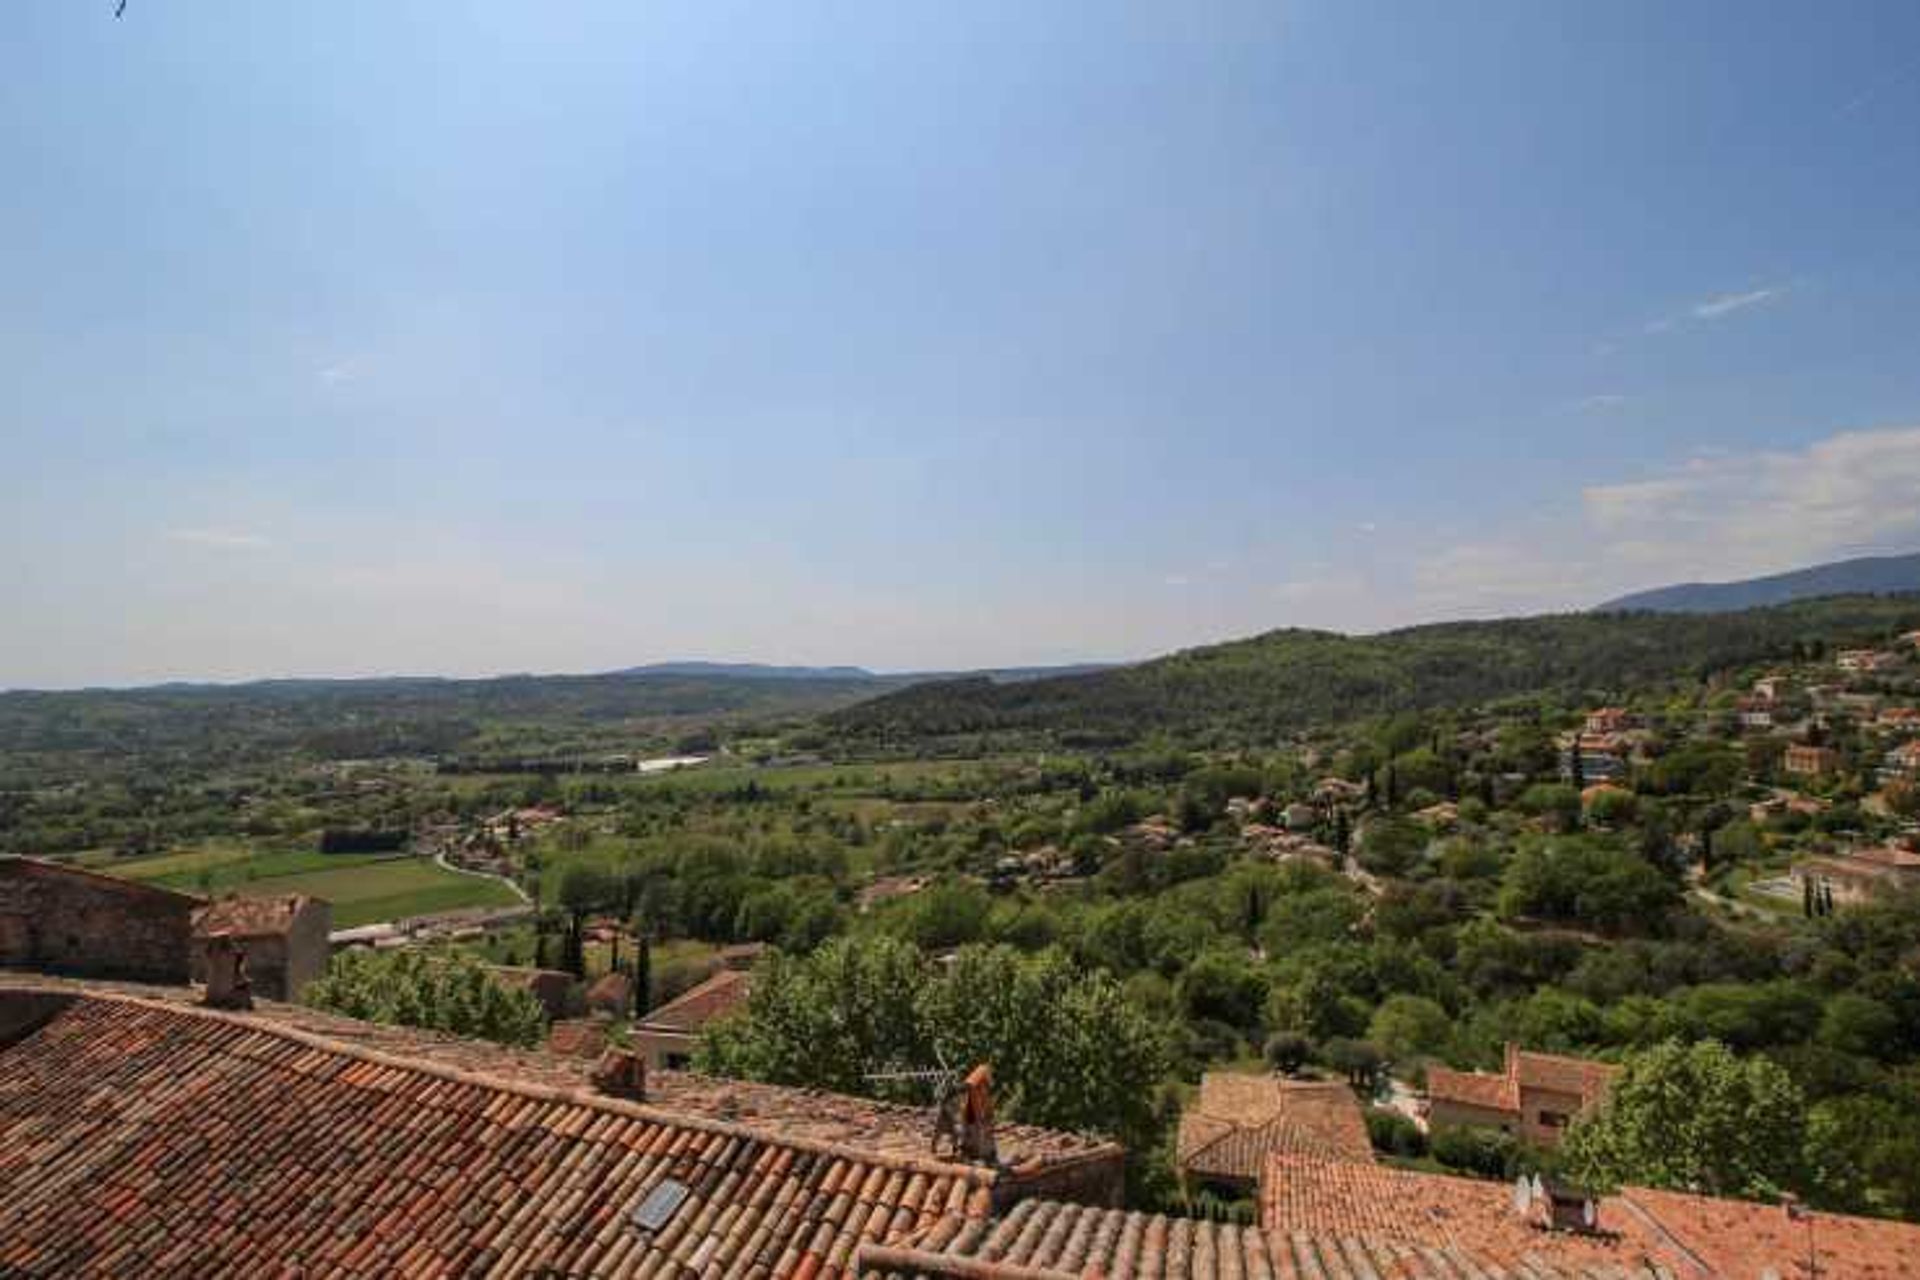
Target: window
point(1553, 1119)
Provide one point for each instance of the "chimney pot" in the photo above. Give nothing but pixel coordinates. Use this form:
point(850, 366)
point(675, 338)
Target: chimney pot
point(621, 1073)
point(228, 986)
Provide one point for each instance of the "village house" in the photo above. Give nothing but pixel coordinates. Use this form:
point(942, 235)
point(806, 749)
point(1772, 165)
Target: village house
point(1237, 1120)
point(1754, 712)
point(1899, 720)
point(1773, 686)
point(67, 919)
point(1301, 816)
point(1862, 874)
point(1806, 760)
point(1902, 764)
point(284, 940)
point(551, 987)
point(1534, 1098)
point(1609, 720)
point(1331, 791)
point(1864, 661)
point(1603, 756)
point(667, 1037)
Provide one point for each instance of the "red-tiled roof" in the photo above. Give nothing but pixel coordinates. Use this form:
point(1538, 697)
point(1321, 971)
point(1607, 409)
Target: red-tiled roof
point(1641, 1231)
point(1325, 1197)
point(1588, 1079)
point(250, 917)
point(1525, 1069)
point(1740, 1238)
point(694, 1009)
point(1472, 1089)
point(1237, 1119)
point(1047, 1240)
point(146, 1136)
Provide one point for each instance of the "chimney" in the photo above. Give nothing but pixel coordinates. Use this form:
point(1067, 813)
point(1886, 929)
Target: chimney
point(976, 1116)
point(621, 1073)
point(1513, 1060)
point(227, 983)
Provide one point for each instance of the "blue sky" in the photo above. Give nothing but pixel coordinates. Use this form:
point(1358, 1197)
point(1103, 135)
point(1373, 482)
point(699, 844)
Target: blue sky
point(467, 337)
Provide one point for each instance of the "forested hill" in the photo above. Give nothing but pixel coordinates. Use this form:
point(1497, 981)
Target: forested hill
point(1880, 575)
point(1272, 684)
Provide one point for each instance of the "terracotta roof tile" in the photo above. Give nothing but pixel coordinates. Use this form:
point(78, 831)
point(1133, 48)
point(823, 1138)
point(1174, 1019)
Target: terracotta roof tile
point(148, 1136)
point(1049, 1240)
point(1582, 1076)
point(1663, 1233)
point(1237, 1119)
point(688, 1013)
point(1472, 1088)
point(250, 917)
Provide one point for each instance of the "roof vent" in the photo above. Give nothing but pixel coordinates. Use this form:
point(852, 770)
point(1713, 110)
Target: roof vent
point(657, 1210)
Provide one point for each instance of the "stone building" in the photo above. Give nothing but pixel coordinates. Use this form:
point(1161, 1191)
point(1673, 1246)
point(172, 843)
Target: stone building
point(1534, 1098)
point(65, 919)
point(667, 1036)
point(283, 938)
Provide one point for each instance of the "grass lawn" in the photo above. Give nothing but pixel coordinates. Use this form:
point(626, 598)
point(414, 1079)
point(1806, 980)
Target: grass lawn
point(363, 888)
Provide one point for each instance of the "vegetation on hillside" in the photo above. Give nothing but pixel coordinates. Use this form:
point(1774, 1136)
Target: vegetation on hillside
point(1262, 689)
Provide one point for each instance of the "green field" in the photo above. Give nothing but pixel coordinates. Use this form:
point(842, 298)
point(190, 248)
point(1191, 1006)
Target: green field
point(363, 888)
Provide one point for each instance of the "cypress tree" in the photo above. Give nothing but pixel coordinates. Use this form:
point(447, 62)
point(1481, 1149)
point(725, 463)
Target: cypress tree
point(642, 975)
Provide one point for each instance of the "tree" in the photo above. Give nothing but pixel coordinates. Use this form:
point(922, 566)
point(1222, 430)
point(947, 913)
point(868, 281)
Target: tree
point(1288, 1051)
point(456, 994)
point(1068, 1048)
point(642, 971)
point(1360, 1061)
point(1694, 1117)
point(1408, 1027)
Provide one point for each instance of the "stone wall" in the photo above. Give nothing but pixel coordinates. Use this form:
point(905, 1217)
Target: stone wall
point(65, 920)
point(307, 947)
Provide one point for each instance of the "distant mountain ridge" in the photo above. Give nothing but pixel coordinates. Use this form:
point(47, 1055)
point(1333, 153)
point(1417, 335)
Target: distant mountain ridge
point(747, 671)
point(1865, 575)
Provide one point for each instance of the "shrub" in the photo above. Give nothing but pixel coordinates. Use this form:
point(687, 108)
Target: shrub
point(1395, 1133)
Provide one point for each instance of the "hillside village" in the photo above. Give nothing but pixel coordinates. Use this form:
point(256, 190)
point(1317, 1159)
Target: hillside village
point(1428, 957)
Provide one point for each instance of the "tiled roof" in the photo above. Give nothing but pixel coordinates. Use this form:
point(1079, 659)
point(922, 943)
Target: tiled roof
point(148, 1136)
point(1740, 1238)
point(1048, 1240)
point(1641, 1232)
point(1238, 1119)
point(44, 869)
point(1471, 1088)
point(250, 917)
point(1324, 1197)
point(695, 1008)
point(1582, 1076)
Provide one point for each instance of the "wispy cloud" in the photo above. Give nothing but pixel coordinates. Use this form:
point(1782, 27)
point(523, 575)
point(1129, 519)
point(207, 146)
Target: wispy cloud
point(227, 539)
point(1711, 516)
point(340, 371)
point(1717, 307)
point(1595, 404)
point(1728, 303)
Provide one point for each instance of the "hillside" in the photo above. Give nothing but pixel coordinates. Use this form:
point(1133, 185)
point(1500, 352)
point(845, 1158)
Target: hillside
point(1868, 575)
point(332, 719)
point(1272, 684)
